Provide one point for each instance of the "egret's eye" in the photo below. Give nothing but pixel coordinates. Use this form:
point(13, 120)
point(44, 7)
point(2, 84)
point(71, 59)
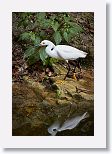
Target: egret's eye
point(54, 129)
point(43, 43)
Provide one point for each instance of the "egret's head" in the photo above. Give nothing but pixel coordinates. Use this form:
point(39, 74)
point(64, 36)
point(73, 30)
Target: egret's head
point(46, 43)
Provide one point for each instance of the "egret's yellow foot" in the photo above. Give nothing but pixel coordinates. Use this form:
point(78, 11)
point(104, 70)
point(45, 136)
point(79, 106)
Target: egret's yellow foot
point(74, 76)
point(60, 81)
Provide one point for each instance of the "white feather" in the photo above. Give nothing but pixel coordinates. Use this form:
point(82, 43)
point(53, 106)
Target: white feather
point(69, 53)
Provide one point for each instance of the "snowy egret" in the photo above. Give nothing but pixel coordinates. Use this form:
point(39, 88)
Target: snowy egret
point(65, 52)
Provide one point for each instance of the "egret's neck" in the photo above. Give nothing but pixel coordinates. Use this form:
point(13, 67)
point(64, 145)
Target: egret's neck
point(50, 47)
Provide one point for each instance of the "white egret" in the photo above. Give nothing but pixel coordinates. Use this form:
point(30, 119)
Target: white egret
point(63, 52)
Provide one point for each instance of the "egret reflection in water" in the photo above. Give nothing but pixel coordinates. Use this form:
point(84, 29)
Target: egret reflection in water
point(70, 123)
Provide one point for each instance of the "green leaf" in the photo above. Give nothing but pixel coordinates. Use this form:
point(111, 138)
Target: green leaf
point(47, 62)
point(25, 36)
point(57, 37)
point(55, 26)
point(42, 21)
point(41, 15)
point(43, 54)
point(53, 60)
point(42, 33)
point(32, 37)
point(30, 50)
point(23, 15)
point(53, 17)
point(33, 58)
point(76, 29)
point(58, 93)
point(66, 19)
point(37, 40)
point(65, 35)
point(32, 55)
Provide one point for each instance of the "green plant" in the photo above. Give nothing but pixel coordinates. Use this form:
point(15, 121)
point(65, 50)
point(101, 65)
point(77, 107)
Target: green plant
point(57, 27)
point(58, 93)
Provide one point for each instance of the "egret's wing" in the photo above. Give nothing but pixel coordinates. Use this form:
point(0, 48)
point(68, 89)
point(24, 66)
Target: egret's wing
point(68, 52)
point(73, 122)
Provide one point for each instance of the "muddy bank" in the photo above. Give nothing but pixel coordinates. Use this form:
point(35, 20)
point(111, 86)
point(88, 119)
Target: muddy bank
point(36, 105)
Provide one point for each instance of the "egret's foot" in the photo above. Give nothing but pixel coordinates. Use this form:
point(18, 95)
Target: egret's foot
point(60, 81)
point(74, 76)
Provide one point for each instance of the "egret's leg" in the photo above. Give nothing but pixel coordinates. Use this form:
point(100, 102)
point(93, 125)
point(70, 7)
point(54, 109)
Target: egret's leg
point(74, 67)
point(79, 66)
point(68, 69)
point(74, 75)
point(62, 81)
